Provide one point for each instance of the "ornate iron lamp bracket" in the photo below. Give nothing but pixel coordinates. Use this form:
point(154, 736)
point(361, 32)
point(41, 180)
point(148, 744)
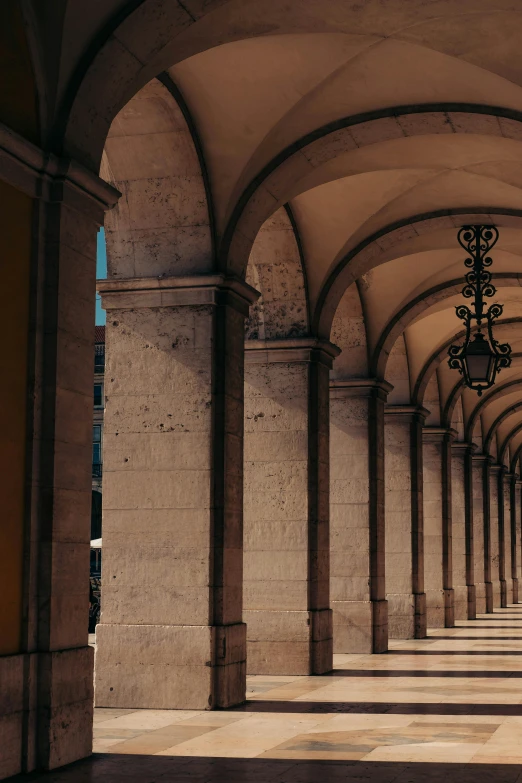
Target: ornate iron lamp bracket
point(485, 351)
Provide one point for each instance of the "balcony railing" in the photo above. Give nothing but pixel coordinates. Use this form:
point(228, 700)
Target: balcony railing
point(97, 470)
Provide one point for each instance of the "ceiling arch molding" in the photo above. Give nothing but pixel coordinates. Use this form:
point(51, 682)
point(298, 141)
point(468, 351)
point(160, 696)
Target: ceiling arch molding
point(451, 402)
point(515, 459)
point(507, 441)
point(269, 188)
point(413, 309)
point(376, 249)
point(144, 38)
point(440, 354)
point(496, 424)
point(495, 394)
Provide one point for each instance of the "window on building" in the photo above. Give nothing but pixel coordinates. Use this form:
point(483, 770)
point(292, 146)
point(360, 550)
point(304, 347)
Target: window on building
point(96, 444)
point(97, 451)
point(98, 395)
point(99, 358)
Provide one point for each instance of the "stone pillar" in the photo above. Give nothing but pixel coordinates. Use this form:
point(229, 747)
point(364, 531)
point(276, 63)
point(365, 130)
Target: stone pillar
point(490, 540)
point(404, 521)
point(357, 583)
point(171, 634)
point(458, 537)
point(287, 557)
point(505, 528)
point(470, 557)
point(517, 524)
point(480, 533)
point(496, 537)
point(515, 533)
point(437, 525)
point(52, 210)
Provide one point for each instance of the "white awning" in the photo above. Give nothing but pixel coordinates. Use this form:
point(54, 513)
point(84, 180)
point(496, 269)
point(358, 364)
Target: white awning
point(96, 543)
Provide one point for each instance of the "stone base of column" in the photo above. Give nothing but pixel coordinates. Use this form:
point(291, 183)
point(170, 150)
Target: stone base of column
point(489, 597)
point(460, 602)
point(421, 616)
point(496, 592)
point(401, 615)
point(503, 594)
point(435, 608)
point(360, 626)
point(170, 666)
point(321, 622)
point(407, 615)
point(449, 608)
point(515, 590)
point(380, 626)
point(472, 603)
point(352, 626)
point(45, 710)
point(480, 598)
point(288, 642)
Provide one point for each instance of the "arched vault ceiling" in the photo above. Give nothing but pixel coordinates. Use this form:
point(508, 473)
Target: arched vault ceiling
point(381, 127)
point(335, 217)
point(289, 85)
point(470, 49)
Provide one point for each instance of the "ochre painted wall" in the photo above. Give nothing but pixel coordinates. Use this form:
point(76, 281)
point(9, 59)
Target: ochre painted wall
point(15, 256)
point(18, 102)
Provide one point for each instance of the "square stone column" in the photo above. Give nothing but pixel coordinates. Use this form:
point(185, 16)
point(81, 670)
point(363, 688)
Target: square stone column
point(458, 537)
point(479, 538)
point(437, 525)
point(52, 209)
point(287, 555)
point(357, 583)
point(496, 537)
point(404, 521)
point(518, 528)
point(504, 517)
point(515, 533)
point(490, 542)
point(171, 634)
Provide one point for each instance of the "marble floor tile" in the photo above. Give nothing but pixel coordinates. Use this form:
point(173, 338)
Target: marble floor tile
point(445, 709)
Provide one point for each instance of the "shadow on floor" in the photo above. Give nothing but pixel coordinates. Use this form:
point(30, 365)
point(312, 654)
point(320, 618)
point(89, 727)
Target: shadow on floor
point(107, 768)
point(378, 708)
point(494, 675)
point(471, 638)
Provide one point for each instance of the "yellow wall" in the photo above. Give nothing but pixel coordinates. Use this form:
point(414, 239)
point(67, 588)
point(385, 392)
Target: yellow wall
point(18, 102)
point(15, 255)
point(18, 110)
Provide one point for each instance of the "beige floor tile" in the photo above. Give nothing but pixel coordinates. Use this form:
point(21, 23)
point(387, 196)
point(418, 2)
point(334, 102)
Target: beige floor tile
point(436, 751)
point(149, 719)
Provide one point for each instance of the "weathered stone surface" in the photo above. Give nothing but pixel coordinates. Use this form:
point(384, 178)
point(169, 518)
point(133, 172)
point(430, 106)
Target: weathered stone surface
point(286, 562)
point(173, 559)
point(458, 498)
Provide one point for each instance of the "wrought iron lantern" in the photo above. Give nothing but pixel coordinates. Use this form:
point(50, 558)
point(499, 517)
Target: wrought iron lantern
point(480, 357)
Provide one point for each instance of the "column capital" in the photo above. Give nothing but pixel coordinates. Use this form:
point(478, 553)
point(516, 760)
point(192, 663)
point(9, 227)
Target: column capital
point(483, 458)
point(495, 469)
point(406, 413)
point(359, 387)
point(463, 446)
point(299, 349)
point(199, 290)
point(43, 175)
point(438, 434)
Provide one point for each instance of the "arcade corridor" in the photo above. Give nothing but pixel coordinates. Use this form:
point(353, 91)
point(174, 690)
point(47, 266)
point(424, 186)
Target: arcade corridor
point(294, 469)
point(430, 709)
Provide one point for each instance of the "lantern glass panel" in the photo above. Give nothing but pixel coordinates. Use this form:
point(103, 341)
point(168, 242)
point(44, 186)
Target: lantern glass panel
point(480, 368)
point(480, 360)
